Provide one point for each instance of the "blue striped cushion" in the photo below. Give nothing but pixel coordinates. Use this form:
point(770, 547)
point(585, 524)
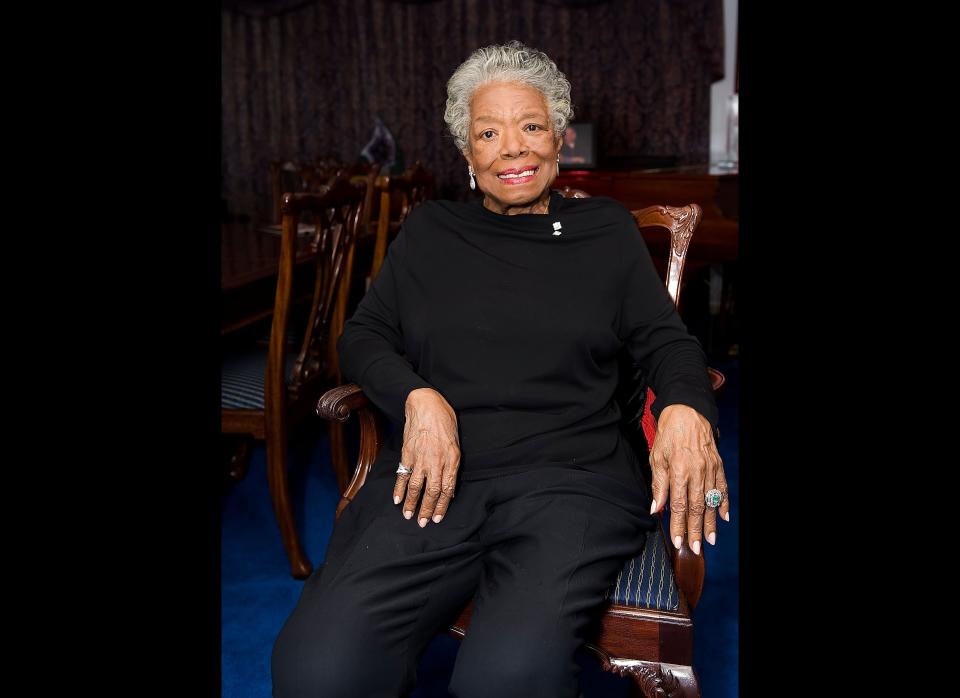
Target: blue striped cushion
point(647, 581)
point(241, 379)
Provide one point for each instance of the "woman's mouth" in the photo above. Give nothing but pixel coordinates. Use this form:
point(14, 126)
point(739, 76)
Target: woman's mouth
point(518, 176)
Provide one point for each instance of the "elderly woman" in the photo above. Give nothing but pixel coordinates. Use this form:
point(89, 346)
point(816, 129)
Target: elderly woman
point(491, 335)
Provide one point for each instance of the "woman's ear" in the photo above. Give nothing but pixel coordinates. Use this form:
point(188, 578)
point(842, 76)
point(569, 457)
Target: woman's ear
point(468, 158)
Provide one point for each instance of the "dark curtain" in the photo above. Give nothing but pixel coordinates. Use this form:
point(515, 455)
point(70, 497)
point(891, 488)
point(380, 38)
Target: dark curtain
point(303, 80)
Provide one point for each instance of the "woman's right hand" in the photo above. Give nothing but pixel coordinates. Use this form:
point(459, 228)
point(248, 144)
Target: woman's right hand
point(431, 449)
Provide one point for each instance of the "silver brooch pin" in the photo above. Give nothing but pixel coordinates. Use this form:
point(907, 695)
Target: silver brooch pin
point(556, 227)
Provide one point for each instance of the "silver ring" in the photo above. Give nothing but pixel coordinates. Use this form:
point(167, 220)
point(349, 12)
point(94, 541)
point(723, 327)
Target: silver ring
point(403, 470)
point(713, 498)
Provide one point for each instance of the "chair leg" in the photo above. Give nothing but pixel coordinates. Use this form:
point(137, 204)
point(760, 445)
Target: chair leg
point(338, 455)
point(300, 566)
point(655, 680)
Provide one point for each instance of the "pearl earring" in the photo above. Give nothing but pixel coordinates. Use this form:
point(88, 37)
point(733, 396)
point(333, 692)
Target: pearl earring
point(473, 182)
point(558, 165)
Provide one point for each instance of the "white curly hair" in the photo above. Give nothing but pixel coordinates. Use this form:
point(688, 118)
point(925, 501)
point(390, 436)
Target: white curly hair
point(510, 62)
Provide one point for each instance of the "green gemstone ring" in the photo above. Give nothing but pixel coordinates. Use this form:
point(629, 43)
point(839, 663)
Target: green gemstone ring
point(713, 498)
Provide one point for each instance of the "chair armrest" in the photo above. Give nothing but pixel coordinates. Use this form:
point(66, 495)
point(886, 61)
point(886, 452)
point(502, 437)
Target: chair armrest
point(717, 381)
point(337, 404)
point(688, 569)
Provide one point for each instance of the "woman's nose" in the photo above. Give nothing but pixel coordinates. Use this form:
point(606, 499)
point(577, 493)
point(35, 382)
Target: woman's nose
point(513, 144)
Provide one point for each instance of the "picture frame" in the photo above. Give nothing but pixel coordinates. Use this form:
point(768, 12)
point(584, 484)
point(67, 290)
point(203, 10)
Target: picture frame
point(579, 149)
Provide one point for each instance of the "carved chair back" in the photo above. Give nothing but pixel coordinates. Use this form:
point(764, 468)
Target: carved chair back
point(399, 194)
point(680, 222)
point(293, 176)
point(335, 213)
point(268, 393)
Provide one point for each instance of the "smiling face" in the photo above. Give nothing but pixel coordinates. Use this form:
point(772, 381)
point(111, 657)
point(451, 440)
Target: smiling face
point(512, 147)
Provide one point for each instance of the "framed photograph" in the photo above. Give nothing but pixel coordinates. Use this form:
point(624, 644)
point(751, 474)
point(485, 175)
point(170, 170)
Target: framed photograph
point(579, 149)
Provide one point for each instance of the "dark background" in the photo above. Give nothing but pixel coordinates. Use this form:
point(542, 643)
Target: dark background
point(306, 79)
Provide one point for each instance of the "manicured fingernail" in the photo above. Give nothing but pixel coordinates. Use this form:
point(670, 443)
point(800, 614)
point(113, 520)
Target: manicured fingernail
point(407, 514)
point(677, 541)
point(695, 546)
point(712, 538)
point(437, 517)
point(653, 506)
point(423, 522)
point(396, 499)
point(726, 517)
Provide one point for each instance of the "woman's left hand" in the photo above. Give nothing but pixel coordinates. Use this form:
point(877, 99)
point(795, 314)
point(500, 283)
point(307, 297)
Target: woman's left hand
point(686, 464)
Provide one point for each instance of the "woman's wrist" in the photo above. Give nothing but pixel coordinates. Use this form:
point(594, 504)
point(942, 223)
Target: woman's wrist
point(420, 396)
point(680, 408)
point(419, 393)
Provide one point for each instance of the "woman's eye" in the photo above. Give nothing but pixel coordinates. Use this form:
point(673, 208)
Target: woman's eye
point(533, 127)
point(487, 134)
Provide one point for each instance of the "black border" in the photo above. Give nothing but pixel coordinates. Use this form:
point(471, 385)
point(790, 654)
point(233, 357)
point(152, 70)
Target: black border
point(154, 208)
point(816, 435)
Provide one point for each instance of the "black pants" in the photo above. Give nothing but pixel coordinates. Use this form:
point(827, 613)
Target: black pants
point(538, 549)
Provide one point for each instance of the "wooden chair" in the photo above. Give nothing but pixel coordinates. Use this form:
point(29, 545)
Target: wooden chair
point(285, 176)
point(361, 174)
point(646, 631)
point(398, 196)
point(293, 176)
point(267, 392)
point(365, 175)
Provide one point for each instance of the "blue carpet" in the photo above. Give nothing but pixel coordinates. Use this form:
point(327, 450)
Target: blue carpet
point(258, 592)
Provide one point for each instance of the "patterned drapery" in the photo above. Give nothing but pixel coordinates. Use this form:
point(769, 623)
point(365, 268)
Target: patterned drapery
point(303, 80)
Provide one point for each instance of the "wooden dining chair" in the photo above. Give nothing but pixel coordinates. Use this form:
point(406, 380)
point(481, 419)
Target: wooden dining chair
point(399, 194)
point(285, 176)
point(646, 630)
point(265, 392)
point(298, 176)
point(365, 175)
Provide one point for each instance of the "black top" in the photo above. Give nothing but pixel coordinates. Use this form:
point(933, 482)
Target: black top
point(519, 329)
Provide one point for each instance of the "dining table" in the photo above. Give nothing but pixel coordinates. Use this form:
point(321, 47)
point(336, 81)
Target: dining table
point(249, 266)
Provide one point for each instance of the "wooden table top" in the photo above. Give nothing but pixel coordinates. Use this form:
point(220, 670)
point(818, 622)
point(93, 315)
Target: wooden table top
point(249, 266)
point(248, 254)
